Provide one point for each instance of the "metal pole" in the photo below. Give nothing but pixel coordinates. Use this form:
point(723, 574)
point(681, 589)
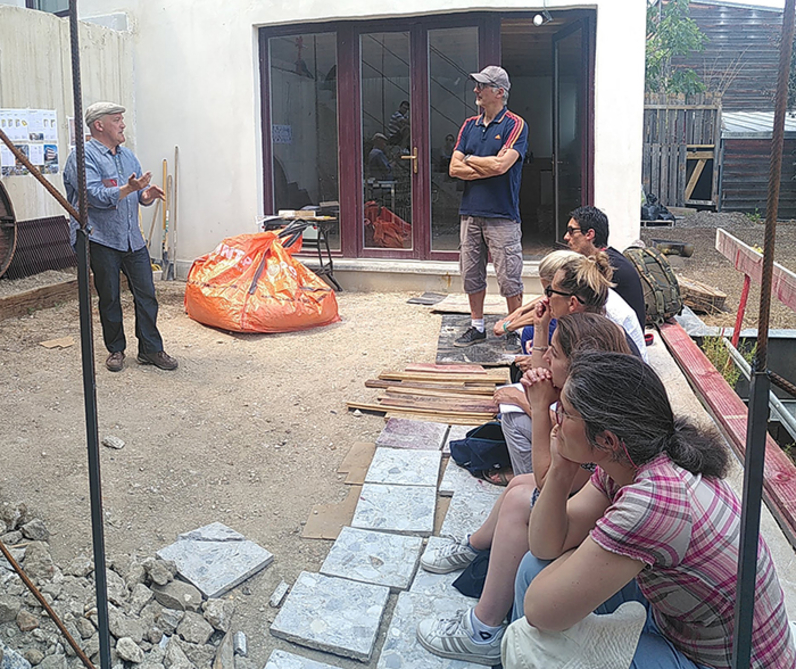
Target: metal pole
point(87, 349)
point(760, 385)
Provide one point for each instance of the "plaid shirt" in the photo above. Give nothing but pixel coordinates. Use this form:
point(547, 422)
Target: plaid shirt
point(686, 529)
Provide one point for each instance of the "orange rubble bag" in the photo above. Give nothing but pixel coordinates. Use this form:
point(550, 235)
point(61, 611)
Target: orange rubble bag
point(251, 283)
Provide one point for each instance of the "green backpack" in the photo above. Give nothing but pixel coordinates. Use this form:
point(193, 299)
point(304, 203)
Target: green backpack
point(661, 291)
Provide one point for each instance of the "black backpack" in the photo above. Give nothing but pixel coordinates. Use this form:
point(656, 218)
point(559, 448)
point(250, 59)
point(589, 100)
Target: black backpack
point(661, 291)
point(482, 450)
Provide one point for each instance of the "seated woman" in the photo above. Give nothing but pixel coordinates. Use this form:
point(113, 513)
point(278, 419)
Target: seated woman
point(577, 284)
point(476, 636)
point(656, 524)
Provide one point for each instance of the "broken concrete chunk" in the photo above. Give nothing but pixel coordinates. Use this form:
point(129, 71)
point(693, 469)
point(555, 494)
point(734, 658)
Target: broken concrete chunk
point(117, 588)
point(9, 608)
point(13, 660)
point(225, 657)
point(11, 538)
point(55, 661)
point(239, 644)
point(38, 562)
point(160, 572)
point(34, 656)
point(178, 595)
point(26, 621)
point(169, 619)
point(80, 567)
point(36, 530)
point(129, 650)
point(141, 596)
point(279, 595)
point(113, 442)
point(14, 515)
point(218, 612)
point(194, 628)
point(85, 628)
point(175, 655)
point(121, 626)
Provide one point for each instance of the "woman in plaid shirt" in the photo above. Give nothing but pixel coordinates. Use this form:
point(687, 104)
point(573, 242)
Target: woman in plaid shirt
point(656, 524)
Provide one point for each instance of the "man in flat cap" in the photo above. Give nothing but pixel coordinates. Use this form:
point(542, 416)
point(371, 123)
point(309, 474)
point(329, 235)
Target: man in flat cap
point(116, 187)
point(488, 157)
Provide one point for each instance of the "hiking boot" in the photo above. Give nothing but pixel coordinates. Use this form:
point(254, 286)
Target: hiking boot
point(453, 638)
point(450, 557)
point(470, 337)
point(115, 361)
point(161, 360)
point(513, 343)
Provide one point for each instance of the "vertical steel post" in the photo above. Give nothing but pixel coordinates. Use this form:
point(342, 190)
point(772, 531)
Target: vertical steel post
point(87, 349)
point(757, 421)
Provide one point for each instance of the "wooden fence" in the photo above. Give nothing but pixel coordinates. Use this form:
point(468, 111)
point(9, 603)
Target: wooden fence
point(681, 149)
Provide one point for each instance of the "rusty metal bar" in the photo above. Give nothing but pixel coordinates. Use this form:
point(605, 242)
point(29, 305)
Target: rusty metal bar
point(783, 383)
point(52, 190)
point(760, 385)
point(50, 612)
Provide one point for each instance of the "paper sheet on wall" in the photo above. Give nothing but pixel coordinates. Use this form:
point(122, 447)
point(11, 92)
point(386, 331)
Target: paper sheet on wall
point(36, 154)
point(6, 157)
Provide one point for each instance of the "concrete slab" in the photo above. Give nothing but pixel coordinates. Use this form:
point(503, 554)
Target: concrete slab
point(332, 614)
point(458, 479)
point(215, 558)
point(404, 467)
point(414, 434)
point(396, 508)
point(431, 595)
point(374, 557)
point(468, 510)
point(282, 660)
point(456, 432)
point(685, 402)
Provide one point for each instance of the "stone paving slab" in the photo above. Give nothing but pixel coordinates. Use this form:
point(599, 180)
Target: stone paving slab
point(396, 508)
point(374, 557)
point(333, 615)
point(414, 434)
point(215, 558)
point(404, 467)
point(431, 595)
point(456, 432)
point(468, 510)
point(457, 479)
point(282, 660)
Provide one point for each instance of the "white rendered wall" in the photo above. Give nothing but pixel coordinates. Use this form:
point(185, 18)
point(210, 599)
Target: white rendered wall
point(196, 82)
point(36, 73)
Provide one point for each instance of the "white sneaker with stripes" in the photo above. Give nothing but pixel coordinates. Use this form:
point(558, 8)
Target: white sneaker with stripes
point(453, 638)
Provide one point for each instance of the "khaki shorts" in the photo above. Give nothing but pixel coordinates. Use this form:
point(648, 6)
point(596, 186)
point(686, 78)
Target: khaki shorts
point(502, 238)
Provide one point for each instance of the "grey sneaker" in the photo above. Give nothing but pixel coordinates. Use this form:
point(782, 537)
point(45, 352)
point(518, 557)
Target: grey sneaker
point(115, 361)
point(161, 360)
point(453, 638)
point(450, 557)
point(471, 336)
point(513, 343)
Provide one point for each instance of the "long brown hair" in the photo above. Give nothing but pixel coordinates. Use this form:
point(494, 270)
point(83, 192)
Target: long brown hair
point(584, 331)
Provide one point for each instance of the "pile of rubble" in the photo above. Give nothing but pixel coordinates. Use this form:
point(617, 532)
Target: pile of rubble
point(155, 620)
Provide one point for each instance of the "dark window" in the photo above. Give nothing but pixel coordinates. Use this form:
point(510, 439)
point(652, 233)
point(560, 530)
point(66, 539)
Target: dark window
point(58, 7)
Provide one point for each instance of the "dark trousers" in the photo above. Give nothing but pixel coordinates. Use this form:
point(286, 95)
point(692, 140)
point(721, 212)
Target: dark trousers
point(107, 263)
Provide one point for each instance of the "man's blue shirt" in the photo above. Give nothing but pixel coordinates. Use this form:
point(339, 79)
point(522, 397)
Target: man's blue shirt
point(498, 196)
point(113, 222)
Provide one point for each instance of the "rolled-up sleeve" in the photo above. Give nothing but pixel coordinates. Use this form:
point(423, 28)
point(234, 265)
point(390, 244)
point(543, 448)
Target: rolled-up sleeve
point(100, 196)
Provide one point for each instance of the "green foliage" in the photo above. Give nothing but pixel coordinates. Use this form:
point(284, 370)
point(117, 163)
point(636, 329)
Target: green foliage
point(716, 351)
point(755, 217)
point(672, 32)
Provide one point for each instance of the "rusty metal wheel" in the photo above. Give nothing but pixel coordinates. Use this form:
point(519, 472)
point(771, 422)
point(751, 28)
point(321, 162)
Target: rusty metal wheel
point(8, 230)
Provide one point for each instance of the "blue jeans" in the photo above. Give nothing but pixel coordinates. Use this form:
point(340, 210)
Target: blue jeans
point(107, 264)
point(654, 650)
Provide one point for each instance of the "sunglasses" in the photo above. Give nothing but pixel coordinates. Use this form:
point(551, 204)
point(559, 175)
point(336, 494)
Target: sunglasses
point(549, 291)
point(571, 231)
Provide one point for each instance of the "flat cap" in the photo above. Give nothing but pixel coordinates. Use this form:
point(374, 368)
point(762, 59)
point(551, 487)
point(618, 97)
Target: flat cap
point(99, 109)
point(493, 76)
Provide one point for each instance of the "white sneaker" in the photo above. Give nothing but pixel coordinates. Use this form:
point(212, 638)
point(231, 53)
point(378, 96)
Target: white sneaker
point(450, 557)
point(453, 638)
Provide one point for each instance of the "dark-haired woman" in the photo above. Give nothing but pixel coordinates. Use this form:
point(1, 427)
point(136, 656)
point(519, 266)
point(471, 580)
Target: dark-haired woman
point(656, 524)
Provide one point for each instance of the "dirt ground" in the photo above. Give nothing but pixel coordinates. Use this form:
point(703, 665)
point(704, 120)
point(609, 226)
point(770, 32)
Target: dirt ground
point(249, 431)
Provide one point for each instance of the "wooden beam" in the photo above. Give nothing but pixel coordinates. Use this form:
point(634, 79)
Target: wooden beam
point(441, 392)
point(692, 182)
point(380, 408)
point(501, 377)
point(745, 259)
point(445, 387)
point(43, 297)
point(730, 413)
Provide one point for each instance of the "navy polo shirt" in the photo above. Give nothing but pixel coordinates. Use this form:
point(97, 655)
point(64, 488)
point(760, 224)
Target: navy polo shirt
point(498, 196)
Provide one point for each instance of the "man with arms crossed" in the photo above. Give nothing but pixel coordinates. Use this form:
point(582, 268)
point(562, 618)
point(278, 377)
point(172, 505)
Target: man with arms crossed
point(488, 158)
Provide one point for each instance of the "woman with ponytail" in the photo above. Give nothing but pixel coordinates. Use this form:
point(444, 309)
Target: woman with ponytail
point(656, 524)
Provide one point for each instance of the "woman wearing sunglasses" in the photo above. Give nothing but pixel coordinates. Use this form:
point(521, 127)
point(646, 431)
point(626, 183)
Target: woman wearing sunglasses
point(474, 636)
point(656, 524)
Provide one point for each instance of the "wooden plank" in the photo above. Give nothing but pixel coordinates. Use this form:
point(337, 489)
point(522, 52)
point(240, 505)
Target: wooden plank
point(663, 193)
point(490, 377)
point(453, 369)
point(43, 297)
point(474, 389)
point(700, 155)
point(451, 405)
point(380, 408)
point(453, 419)
point(655, 169)
point(440, 392)
point(692, 182)
point(747, 260)
point(729, 411)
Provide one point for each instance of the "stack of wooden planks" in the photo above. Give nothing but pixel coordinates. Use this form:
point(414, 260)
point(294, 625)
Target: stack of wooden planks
point(456, 394)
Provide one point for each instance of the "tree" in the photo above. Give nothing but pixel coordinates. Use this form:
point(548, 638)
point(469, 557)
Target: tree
point(671, 32)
